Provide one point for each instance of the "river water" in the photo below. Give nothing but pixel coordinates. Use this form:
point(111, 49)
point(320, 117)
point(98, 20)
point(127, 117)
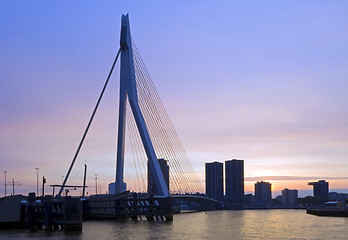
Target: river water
point(237, 224)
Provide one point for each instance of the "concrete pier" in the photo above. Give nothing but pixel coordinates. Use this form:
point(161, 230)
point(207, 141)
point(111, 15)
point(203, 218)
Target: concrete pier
point(72, 214)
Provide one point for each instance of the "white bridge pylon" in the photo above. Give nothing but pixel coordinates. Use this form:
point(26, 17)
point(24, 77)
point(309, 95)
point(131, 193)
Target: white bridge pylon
point(128, 90)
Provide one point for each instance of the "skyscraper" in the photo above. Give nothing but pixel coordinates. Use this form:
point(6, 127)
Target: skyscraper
point(151, 187)
point(234, 181)
point(263, 192)
point(214, 180)
point(320, 189)
point(289, 197)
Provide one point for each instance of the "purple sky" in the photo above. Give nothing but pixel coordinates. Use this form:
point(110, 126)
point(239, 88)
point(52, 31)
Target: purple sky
point(262, 81)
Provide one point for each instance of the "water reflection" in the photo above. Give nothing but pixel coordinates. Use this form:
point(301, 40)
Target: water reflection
point(247, 224)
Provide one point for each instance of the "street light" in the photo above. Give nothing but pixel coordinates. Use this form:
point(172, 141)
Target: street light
point(43, 186)
point(37, 181)
point(13, 184)
point(96, 184)
point(5, 182)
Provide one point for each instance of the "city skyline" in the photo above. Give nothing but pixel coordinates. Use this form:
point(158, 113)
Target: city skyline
point(263, 83)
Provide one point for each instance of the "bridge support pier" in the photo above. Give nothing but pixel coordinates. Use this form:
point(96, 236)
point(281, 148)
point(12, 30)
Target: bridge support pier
point(167, 207)
point(48, 212)
point(72, 214)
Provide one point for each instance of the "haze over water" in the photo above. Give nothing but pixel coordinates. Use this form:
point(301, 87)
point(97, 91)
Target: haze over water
point(238, 224)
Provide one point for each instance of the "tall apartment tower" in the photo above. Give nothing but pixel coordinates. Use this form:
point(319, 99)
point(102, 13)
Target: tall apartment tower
point(320, 189)
point(214, 180)
point(289, 197)
point(263, 192)
point(151, 187)
point(234, 181)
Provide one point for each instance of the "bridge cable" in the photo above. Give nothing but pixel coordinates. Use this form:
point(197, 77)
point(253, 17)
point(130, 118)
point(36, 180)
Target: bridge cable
point(155, 117)
point(154, 129)
point(130, 132)
point(171, 128)
point(163, 131)
point(89, 124)
point(138, 147)
point(189, 176)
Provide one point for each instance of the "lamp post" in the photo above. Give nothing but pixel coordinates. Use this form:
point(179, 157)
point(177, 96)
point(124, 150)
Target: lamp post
point(37, 181)
point(5, 182)
point(96, 184)
point(43, 186)
point(84, 181)
point(13, 184)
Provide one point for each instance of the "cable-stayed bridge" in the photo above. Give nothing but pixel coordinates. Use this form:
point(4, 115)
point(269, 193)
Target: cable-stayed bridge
point(161, 163)
point(150, 131)
point(163, 169)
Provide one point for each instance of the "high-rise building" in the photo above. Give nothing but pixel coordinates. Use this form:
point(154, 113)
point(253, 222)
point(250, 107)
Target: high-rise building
point(234, 181)
point(263, 192)
point(289, 197)
point(151, 186)
point(214, 180)
point(320, 189)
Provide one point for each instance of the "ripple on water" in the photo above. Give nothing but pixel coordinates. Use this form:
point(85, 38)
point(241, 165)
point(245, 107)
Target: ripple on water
point(235, 224)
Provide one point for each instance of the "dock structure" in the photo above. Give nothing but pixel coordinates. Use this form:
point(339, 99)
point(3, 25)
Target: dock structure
point(52, 213)
point(329, 212)
point(41, 212)
point(128, 205)
point(68, 213)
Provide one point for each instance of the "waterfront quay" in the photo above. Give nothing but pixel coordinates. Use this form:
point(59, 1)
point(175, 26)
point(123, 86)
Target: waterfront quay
point(67, 213)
